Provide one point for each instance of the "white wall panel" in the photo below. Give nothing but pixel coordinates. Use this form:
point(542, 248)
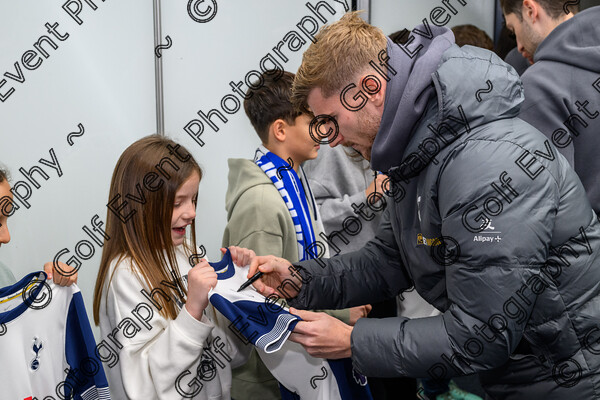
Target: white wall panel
point(394, 15)
point(203, 60)
point(102, 76)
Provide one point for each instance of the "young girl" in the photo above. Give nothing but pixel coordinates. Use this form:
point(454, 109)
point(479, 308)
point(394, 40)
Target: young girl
point(151, 305)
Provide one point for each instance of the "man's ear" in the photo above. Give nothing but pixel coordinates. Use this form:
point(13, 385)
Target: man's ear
point(278, 130)
point(531, 11)
point(374, 88)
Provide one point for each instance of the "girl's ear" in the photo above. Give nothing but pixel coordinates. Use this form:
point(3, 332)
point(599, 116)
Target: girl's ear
point(278, 130)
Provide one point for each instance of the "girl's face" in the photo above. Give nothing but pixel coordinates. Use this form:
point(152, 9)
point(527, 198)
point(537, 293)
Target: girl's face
point(184, 209)
point(4, 234)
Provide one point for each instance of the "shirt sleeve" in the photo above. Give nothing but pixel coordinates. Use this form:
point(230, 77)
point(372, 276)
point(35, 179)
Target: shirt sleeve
point(85, 379)
point(265, 324)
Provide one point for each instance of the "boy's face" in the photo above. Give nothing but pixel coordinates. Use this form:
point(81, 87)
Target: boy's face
point(184, 209)
point(300, 145)
point(4, 234)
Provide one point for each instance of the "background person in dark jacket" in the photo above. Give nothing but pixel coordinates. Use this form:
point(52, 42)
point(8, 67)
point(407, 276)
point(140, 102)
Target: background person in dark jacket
point(489, 222)
point(562, 87)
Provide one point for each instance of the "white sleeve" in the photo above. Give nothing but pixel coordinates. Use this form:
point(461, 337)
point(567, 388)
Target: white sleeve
point(237, 346)
point(155, 350)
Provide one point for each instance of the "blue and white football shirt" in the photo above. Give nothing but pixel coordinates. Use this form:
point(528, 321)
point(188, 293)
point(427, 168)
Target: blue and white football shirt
point(267, 325)
point(47, 349)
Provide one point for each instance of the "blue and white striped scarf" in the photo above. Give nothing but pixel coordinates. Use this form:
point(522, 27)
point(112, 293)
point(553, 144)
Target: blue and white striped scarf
point(291, 190)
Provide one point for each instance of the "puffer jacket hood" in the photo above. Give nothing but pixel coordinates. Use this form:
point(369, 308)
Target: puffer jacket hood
point(460, 105)
point(408, 91)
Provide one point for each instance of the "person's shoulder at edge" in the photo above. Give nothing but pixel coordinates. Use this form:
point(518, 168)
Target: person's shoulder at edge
point(6, 276)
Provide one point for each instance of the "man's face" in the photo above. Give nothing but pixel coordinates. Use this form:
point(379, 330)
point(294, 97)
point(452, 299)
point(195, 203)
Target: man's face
point(357, 129)
point(528, 38)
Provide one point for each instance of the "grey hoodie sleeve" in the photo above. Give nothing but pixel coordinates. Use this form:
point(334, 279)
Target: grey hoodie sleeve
point(490, 283)
point(371, 274)
point(335, 207)
point(338, 183)
point(545, 109)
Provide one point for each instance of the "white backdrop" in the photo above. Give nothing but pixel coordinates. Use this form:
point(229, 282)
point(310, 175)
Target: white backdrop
point(393, 15)
point(102, 76)
point(203, 60)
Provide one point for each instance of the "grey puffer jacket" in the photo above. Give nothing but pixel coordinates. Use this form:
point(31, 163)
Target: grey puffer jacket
point(494, 228)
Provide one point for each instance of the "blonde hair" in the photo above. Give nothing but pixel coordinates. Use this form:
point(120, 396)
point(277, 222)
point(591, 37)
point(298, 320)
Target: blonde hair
point(341, 52)
point(146, 237)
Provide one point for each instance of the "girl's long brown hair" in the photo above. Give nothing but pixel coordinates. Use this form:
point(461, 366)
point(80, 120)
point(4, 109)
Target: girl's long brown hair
point(146, 237)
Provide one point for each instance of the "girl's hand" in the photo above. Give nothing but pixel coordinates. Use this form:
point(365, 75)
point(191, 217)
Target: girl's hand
point(240, 255)
point(201, 279)
point(62, 275)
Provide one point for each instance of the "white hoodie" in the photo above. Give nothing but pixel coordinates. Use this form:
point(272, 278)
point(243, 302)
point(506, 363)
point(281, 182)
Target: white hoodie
point(161, 358)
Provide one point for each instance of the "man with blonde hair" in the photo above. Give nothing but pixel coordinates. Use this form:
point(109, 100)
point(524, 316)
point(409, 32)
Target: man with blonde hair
point(486, 220)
